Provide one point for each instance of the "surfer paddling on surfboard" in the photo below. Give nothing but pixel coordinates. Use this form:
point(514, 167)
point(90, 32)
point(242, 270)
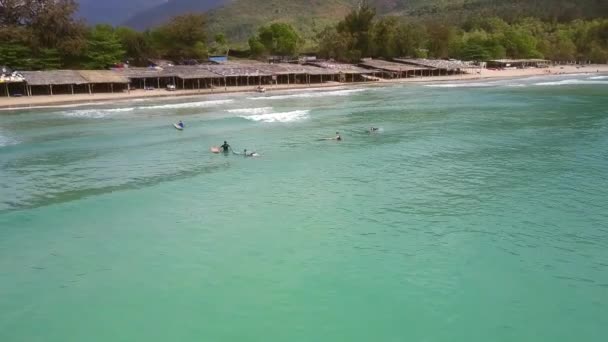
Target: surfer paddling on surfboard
point(179, 125)
point(338, 137)
point(246, 154)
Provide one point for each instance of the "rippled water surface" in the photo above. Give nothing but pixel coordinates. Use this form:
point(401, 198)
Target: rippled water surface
point(479, 212)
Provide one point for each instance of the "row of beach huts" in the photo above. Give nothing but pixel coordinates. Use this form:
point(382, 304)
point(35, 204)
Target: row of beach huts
point(223, 75)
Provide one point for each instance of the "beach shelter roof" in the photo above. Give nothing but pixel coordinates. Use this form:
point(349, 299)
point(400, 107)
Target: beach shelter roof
point(340, 67)
point(433, 63)
point(289, 69)
point(390, 66)
point(239, 70)
point(191, 72)
point(102, 76)
point(53, 77)
point(532, 60)
point(142, 72)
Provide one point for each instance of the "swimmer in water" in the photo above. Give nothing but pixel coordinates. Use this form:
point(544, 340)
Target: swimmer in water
point(338, 137)
point(373, 129)
point(225, 147)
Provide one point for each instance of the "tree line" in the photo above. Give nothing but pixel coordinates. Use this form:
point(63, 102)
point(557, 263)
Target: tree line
point(362, 34)
point(43, 34)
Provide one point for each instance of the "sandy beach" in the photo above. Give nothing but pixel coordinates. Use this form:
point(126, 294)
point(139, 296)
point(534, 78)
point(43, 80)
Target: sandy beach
point(8, 103)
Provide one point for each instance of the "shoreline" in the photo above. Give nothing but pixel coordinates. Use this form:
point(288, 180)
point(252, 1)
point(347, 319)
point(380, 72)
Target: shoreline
point(54, 101)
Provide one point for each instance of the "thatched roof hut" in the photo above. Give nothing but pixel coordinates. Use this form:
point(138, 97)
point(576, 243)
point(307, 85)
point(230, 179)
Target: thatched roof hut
point(340, 67)
point(53, 77)
point(103, 76)
point(433, 63)
point(190, 72)
point(389, 66)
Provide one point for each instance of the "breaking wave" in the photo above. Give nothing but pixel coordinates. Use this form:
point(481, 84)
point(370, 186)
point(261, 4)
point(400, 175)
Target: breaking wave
point(262, 110)
point(295, 115)
point(571, 82)
point(461, 85)
point(309, 94)
point(96, 113)
point(598, 77)
point(6, 141)
point(200, 104)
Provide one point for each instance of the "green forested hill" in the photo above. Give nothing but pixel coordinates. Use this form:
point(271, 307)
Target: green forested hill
point(239, 18)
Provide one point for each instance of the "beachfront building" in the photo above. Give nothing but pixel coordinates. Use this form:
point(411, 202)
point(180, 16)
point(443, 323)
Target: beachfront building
point(391, 70)
point(243, 73)
point(104, 81)
point(518, 63)
point(342, 72)
point(55, 82)
point(437, 67)
point(12, 82)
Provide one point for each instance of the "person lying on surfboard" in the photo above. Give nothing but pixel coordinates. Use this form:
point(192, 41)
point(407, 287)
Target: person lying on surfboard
point(247, 154)
point(337, 137)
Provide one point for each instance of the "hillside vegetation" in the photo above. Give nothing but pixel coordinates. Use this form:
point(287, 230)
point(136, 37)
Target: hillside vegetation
point(238, 18)
point(43, 34)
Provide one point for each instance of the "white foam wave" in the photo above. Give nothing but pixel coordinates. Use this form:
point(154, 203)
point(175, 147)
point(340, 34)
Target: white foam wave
point(598, 77)
point(200, 104)
point(96, 113)
point(262, 110)
point(461, 85)
point(310, 94)
point(570, 82)
point(516, 85)
point(6, 141)
point(295, 115)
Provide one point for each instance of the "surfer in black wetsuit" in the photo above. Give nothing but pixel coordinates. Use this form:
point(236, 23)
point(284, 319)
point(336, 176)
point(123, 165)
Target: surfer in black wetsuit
point(225, 147)
point(338, 137)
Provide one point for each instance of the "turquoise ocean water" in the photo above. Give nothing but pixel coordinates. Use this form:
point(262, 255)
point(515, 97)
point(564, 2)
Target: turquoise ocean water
point(479, 212)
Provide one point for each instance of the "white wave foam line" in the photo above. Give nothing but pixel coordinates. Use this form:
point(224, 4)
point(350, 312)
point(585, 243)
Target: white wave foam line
point(96, 113)
point(295, 115)
point(6, 141)
point(200, 104)
point(570, 82)
point(310, 94)
point(461, 85)
point(598, 77)
point(262, 110)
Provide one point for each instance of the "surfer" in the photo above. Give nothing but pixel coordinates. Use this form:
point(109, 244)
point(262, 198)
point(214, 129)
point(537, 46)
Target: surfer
point(250, 154)
point(180, 124)
point(225, 147)
point(373, 129)
point(337, 137)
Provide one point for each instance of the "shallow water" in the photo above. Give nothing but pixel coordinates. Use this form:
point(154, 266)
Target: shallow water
point(479, 212)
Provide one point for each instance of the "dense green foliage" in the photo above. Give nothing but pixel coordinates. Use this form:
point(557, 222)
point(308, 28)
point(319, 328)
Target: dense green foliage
point(362, 34)
point(276, 39)
point(43, 34)
point(239, 18)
